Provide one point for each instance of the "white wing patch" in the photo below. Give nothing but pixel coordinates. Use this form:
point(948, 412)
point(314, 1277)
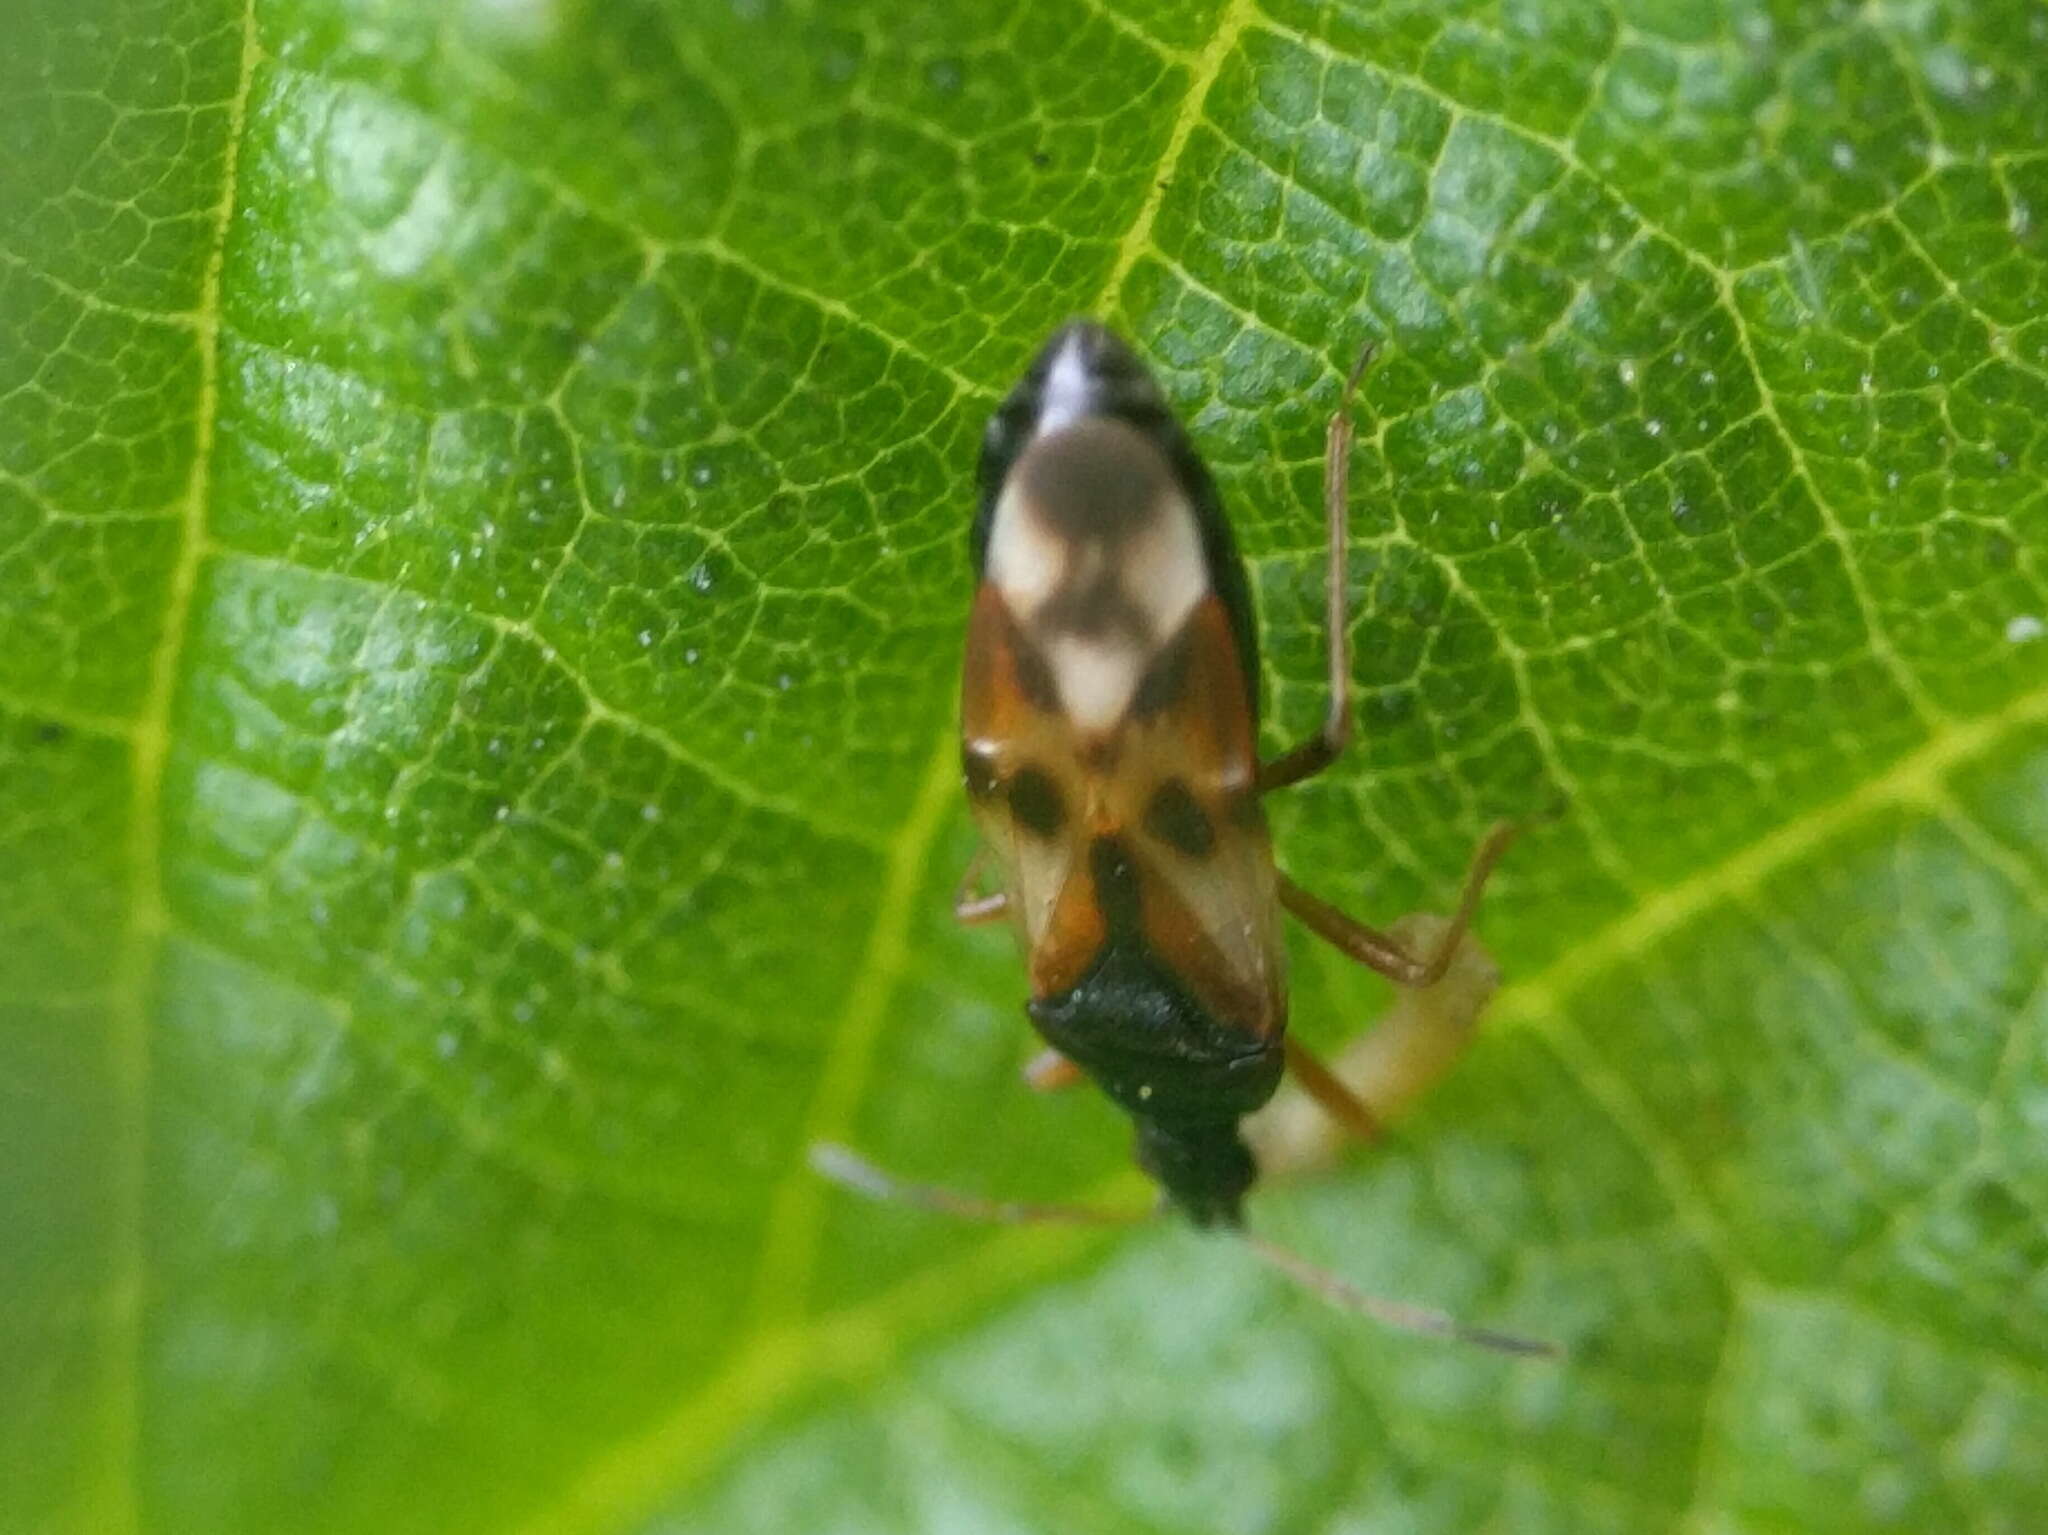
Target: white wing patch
point(1162, 570)
point(1027, 560)
point(1098, 592)
point(1096, 681)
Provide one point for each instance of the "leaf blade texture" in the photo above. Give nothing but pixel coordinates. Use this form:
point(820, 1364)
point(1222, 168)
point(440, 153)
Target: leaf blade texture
point(482, 513)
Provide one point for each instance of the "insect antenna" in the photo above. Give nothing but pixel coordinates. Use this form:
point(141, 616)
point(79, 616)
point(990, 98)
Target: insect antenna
point(1345, 1296)
point(852, 1171)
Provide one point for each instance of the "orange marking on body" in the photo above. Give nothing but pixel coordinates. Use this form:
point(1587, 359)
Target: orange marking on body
point(1071, 939)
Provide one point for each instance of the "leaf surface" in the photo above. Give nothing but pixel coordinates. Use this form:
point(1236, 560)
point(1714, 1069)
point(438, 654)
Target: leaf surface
point(482, 510)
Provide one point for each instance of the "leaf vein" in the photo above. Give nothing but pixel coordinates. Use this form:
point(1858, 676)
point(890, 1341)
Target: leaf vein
point(597, 708)
point(774, 1366)
point(790, 1237)
point(148, 921)
point(1137, 240)
point(1881, 645)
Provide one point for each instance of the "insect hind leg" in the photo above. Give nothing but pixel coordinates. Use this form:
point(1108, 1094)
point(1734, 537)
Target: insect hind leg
point(1330, 1094)
point(1376, 1077)
point(1396, 958)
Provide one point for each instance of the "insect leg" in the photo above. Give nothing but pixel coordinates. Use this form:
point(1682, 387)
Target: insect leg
point(1049, 1071)
point(1327, 745)
point(1400, 1315)
point(1384, 952)
point(1387, 1068)
point(1334, 1098)
point(969, 908)
point(852, 1171)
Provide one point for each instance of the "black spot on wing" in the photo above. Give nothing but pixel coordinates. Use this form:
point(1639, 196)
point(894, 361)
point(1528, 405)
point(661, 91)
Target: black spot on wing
point(1036, 804)
point(1177, 819)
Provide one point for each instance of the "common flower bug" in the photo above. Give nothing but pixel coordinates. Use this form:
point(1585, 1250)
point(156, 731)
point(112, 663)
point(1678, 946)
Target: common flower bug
point(1109, 723)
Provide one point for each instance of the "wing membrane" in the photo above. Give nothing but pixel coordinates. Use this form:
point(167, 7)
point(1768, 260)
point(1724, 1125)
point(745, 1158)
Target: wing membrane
point(1204, 868)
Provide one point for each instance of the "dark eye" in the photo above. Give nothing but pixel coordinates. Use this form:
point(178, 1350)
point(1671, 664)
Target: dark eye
point(1178, 820)
point(1035, 802)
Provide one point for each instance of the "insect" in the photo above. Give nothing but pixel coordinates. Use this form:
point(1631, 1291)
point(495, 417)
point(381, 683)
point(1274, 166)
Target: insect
point(1109, 724)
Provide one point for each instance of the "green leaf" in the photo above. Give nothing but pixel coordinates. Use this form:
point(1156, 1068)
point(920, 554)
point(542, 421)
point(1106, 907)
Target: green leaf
point(482, 509)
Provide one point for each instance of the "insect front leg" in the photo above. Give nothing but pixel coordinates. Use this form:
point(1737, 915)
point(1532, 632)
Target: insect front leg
point(1327, 745)
point(1385, 952)
point(1049, 1071)
point(969, 908)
